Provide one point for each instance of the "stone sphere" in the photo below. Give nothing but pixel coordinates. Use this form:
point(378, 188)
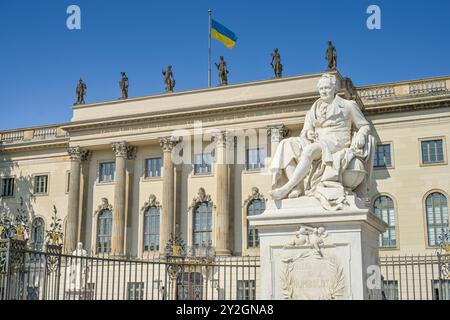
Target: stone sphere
point(354, 175)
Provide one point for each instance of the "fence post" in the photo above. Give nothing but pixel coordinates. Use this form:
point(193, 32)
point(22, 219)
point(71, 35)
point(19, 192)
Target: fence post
point(5, 247)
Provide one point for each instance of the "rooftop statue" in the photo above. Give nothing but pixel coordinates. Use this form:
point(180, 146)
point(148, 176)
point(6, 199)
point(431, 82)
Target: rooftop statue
point(276, 64)
point(223, 71)
point(329, 160)
point(169, 80)
point(81, 92)
point(331, 56)
point(123, 84)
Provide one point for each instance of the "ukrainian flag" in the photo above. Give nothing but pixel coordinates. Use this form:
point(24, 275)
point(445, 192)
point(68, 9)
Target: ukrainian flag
point(224, 35)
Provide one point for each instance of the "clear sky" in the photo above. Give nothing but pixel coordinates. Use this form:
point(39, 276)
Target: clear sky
point(41, 60)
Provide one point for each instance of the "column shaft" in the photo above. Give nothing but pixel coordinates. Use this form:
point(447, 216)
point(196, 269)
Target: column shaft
point(119, 208)
point(73, 207)
point(222, 223)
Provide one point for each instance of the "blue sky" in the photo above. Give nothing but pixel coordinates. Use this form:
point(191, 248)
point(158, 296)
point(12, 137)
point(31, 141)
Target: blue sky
point(41, 60)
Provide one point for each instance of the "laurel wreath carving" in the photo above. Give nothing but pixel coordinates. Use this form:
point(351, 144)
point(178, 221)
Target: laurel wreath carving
point(335, 289)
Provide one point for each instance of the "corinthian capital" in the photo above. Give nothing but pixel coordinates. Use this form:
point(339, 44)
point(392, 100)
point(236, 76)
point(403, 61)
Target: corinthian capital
point(78, 153)
point(168, 143)
point(124, 149)
point(224, 140)
point(277, 133)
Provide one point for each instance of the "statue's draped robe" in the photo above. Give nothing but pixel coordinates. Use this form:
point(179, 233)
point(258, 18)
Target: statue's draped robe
point(334, 126)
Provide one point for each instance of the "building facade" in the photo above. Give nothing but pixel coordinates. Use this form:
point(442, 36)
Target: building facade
point(125, 175)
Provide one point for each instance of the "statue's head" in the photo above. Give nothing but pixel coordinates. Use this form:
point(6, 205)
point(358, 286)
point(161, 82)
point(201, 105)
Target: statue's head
point(330, 43)
point(169, 67)
point(276, 50)
point(327, 86)
point(221, 58)
point(79, 246)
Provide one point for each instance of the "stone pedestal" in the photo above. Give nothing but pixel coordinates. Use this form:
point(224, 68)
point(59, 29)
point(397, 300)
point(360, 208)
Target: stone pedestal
point(309, 253)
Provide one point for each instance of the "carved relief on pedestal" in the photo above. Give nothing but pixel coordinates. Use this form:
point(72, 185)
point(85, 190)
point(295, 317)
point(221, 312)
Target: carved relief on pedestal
point(308, 271)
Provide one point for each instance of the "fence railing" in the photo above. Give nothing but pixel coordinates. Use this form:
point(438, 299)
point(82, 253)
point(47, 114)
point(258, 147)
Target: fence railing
point(34, 275)
point(419, 277)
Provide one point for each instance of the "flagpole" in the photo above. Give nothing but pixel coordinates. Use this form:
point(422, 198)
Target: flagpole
point(209, 49)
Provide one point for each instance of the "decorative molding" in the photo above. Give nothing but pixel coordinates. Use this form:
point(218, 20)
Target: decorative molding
point(105, 205)
point(277, 132)
point(255, 195)
point(78, 154)
point(124, 149)
point(152, 202)
point(201, 197)
point(168, 143)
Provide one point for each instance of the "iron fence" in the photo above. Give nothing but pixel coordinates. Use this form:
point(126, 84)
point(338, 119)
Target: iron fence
point(50, 275)
point(415, 277)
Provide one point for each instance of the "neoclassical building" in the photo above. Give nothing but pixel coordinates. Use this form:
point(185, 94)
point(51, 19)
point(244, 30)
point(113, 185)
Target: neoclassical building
point(114, 174)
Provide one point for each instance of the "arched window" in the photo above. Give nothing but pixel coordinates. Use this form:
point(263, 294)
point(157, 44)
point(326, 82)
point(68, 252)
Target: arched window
point(383, 208)
point(37, 233)
point(254, 208)
point(151, 228)
point(104, 231)
point(437, 217)
point(203, 224)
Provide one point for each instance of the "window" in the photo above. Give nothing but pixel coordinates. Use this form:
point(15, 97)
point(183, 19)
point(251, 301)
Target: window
point(153, 167)
point(107, 170)
point(135, 291)
point(390, 290)
point(67, 181)
point(383, 156)
point(37, 234)
point(104, 232)
point(151, 228)
point(203, 224)
point(432, 151)
point(255, 207)
point(441, 289)
point(255, 158)
point(383, 208)
point(246, 290)
point(437, 217)
point(40, 184)
point(8, 187)
point(203, 163)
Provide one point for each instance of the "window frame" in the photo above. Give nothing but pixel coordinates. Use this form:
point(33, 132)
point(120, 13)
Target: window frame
point(261, 163)
point(194, 164)
point(425, 216)
point(13, 187)
point(395, 225)
point(150, 235)
point(209, 221)
point(444, 151)
point(99, 167)
point(35, 176)
point(97, 242)
point(242, 286)
point(248, 227)
point(391, 147)
point(145, 176)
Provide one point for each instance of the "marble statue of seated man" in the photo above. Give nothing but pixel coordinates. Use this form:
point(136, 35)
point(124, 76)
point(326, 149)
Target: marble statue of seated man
point(332, 155)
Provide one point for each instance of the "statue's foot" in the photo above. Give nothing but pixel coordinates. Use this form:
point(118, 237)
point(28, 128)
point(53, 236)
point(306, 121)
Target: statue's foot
point(295, 194)
point(278, 194)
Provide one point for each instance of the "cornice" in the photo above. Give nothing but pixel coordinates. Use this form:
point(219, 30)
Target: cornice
point(34, 145)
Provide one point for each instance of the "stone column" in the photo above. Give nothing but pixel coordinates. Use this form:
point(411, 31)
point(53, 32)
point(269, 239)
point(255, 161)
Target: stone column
point(123, 152)
point(277, 133)
point(222, 221)
point(167, 222)
point(77, 155)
